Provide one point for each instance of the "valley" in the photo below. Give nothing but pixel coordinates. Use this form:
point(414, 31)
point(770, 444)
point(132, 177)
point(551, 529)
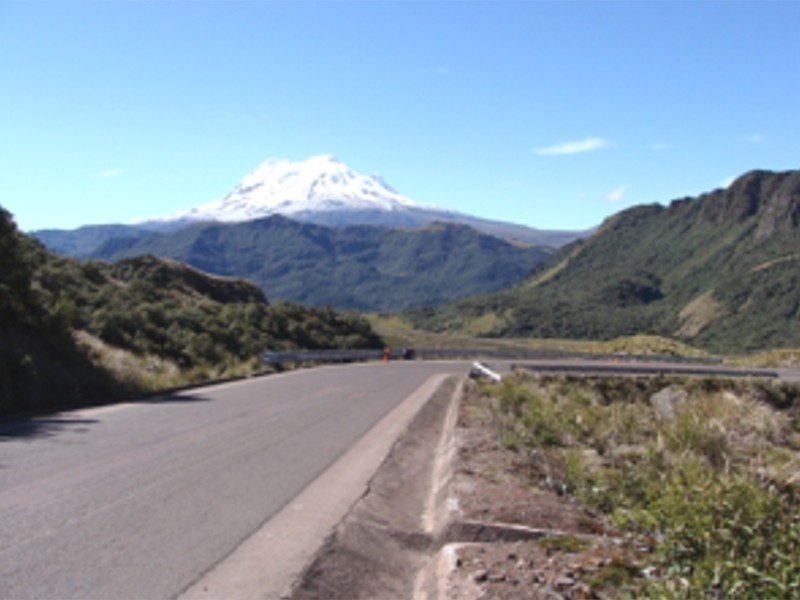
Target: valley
point(566, 478)
point(317, 233)
point(715, 274)
point(442, 300)
point(358, 267)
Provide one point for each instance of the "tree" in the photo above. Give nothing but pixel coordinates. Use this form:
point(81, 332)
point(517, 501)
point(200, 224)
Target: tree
point(15, 274)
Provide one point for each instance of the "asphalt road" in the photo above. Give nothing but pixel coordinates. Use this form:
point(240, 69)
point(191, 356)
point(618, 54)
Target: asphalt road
point(140, 500)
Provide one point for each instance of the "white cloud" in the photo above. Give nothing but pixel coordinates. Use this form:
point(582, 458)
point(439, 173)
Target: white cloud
point(617, 194)
point(574, 147)
point(755, 138)
point(660, 146)
point(441, 71)
point(726, 183)
point(110, 173)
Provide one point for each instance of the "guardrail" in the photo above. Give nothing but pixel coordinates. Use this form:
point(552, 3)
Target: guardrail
point(699, 370)
point(278, 358)
point(514, 354)
point(319, 356)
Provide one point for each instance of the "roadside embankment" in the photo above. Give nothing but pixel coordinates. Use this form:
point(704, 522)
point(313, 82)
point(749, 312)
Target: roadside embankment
point(444, 516)
point(389, 534)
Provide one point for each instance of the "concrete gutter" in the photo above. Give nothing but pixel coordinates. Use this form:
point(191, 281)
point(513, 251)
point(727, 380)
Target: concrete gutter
point(400, 540)
point(383, 547)
point(266, 565)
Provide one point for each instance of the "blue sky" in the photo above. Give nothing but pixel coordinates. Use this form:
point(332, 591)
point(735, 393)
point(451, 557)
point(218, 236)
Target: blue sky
point(551, 114)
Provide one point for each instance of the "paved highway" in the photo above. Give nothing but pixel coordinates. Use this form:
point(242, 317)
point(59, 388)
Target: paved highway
point(140, 500)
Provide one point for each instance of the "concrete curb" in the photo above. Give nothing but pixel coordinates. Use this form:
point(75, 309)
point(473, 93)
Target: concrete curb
point(268, 563)
point(380, 547)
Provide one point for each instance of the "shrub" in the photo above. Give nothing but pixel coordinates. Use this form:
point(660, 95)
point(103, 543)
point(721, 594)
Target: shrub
point(695, 488)
point(140, 312)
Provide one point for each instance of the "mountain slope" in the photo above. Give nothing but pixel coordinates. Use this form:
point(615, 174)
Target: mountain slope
point(73, 333)
point(721, 271)
point(324, 191)
point(359, 267)
point(80, 242)
point(294, 189)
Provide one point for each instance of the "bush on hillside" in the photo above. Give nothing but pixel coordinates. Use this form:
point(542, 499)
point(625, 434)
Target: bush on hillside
point(40, 366)
point(158, 312)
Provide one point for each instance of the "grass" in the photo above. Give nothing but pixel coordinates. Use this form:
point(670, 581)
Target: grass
point(563, 543)
point(777, 358)
point(149, 373)
point(711, 484)
point(698, 314)
point(400, 333)
point(552, 272)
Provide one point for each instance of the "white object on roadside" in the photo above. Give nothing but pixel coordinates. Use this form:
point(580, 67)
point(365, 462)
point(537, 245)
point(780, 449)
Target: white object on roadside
point(482, 370)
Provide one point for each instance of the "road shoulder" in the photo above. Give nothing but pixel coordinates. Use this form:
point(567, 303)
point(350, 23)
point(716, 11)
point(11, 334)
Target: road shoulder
point(267, 564)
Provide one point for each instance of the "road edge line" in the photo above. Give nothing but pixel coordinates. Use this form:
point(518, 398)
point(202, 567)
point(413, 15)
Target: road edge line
point(267, 563)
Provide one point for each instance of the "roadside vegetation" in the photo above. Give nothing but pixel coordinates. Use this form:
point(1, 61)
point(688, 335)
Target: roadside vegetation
point(400, 332)
point(77, 332)
point(778, 358)
point(700, 476)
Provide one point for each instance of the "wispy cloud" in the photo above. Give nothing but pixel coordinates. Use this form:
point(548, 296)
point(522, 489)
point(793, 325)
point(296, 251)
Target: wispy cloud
point(755, 138)
point(108, 173)
point(617, 194)
point(660, 146)
point(726, 183)
point(573, 147)
point(441, 71)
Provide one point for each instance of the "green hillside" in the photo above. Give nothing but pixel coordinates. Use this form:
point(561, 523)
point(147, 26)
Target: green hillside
point(355, 268)
point(76, 332)
point(721, 272)
point(80, 242)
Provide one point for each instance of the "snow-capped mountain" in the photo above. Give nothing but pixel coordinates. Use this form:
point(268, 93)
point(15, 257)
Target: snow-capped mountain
point(320, 184)
point(325, 191)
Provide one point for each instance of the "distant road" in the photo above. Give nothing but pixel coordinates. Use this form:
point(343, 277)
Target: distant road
point(140, 500)
point(623, 367)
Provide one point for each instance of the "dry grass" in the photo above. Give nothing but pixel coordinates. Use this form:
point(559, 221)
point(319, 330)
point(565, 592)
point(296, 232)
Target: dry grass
point(708, 478)
point(135, 373)
point(779, 358)
point(143, 374)
point(696, 315)
point(399, 333)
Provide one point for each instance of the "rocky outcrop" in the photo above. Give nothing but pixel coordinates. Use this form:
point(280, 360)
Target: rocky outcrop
point(781, 213)
point(773, 198)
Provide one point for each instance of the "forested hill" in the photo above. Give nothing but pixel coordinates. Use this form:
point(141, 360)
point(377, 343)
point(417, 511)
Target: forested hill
point(720, 271)
point(75, 332)
point(364, 268)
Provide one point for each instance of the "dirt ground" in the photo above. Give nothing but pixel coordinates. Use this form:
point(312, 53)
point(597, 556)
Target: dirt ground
point(577, 555)
point(501, 538)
